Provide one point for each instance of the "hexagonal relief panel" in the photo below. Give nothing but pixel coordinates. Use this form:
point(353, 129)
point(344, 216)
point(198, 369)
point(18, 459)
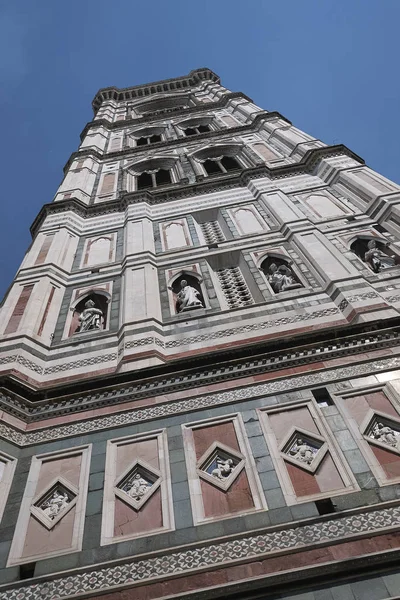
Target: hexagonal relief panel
point(220, 465)
point(303, 449)
point(54, 503)
point(382, 430)
point(137, 484)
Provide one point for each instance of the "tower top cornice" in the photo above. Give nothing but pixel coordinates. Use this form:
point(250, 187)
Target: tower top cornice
point(148, 89)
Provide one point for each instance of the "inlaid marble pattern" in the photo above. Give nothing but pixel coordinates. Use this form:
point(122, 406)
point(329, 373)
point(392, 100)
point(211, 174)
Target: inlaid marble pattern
point(174, 408)
point(206, 556)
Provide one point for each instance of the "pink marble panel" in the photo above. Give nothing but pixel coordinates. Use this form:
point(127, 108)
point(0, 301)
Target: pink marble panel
point(39, 540)
point(128, 521)
point(358, 407)
point(327, 476)
point(68, 468)
point(146, 450)
point(219, 503)
point(282, 422)
point(379, 401)
point(205, 436)
point(304, 483)
point(389, 461)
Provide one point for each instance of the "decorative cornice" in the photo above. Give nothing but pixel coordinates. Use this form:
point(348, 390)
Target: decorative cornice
point(148, 89)
point(181, 141)
point(31, 406)
point(213, 555)
point(143, 414)
point(180, 191)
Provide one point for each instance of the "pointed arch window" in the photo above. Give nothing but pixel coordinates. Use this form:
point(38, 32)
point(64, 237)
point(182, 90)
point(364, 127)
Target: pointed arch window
point(154, 178)
point(196, 130)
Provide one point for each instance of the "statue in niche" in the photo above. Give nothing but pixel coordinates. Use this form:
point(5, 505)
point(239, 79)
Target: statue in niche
point(188, 297)
point(90, 318)
point(223, 469)
point(137, 487)
point(387, 435)
point(281, 278)
point(377, 259)
point(54, 505)
point(303, 452)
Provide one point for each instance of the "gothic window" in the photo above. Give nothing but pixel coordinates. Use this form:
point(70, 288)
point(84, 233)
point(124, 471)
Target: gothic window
point(196, 130)
point(279, 274)
point(154, 178)
point(151, 139)
point(222, 164)
point(90, 314)
point(187, 293)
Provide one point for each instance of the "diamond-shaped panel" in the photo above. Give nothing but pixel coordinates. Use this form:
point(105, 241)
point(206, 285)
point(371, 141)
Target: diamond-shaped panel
point(303, 449)
point(137, 484)
point(220, 465)
point(54, 502)
point(383, 431)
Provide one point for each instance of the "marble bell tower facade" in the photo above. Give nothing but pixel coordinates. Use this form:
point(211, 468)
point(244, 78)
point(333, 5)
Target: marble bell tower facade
point(200, 363)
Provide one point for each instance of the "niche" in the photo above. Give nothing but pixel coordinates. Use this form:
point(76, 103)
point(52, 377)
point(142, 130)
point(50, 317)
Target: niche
point(279, 274)
point(375, 253)
point(90, 314)
point(187, 293)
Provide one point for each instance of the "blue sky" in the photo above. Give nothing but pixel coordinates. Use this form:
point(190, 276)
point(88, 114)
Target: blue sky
point(330, 66)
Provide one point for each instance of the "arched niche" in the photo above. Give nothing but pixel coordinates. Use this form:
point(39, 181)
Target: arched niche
point(374, 252)
point(185, 300)
point(279, 274)
point(95, 304)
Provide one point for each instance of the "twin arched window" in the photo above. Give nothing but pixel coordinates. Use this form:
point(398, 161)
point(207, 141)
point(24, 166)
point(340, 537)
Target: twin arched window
point(151, 179)
point(221, 164)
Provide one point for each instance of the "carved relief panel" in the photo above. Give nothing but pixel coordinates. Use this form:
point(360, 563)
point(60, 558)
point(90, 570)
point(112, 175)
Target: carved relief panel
point(51, 518)
point(374, 418)
point(307, 461)
point(223, 480)
point(137, 490)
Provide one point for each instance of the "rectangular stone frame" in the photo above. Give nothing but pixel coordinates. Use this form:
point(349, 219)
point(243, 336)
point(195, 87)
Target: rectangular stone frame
point(107, 524)
point(249, 467)
point(15, 556)
point(349, 479)
point(6, 481)
point(392, 392)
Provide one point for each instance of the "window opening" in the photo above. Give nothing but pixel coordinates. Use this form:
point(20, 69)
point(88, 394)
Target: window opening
point(322, 397)
point(27, 571)
point(325, 507)
point(154, 179)
point(197, 130)
point(145, 140)
point(221, 165)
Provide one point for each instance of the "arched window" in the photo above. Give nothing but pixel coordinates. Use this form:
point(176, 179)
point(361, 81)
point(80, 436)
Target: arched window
point(155, 178)
point(187, 293)
point(279, 274)
point(221, 165)
point(90, 314)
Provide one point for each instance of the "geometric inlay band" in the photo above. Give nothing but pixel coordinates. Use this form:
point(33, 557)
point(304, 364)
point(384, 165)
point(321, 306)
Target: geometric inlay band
point(179, 407)
point(207, 556)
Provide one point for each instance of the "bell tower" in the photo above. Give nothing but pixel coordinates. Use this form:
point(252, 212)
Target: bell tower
point(199, 362)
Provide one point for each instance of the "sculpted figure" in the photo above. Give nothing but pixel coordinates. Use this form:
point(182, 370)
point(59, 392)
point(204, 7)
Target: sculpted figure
point(224, 468)
point(188, 297)
point(303, 452)
point(281, 278)
point(138, 487)
point(377, 259)
point(385, 434)
point(55, 504)
point(90, 318)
